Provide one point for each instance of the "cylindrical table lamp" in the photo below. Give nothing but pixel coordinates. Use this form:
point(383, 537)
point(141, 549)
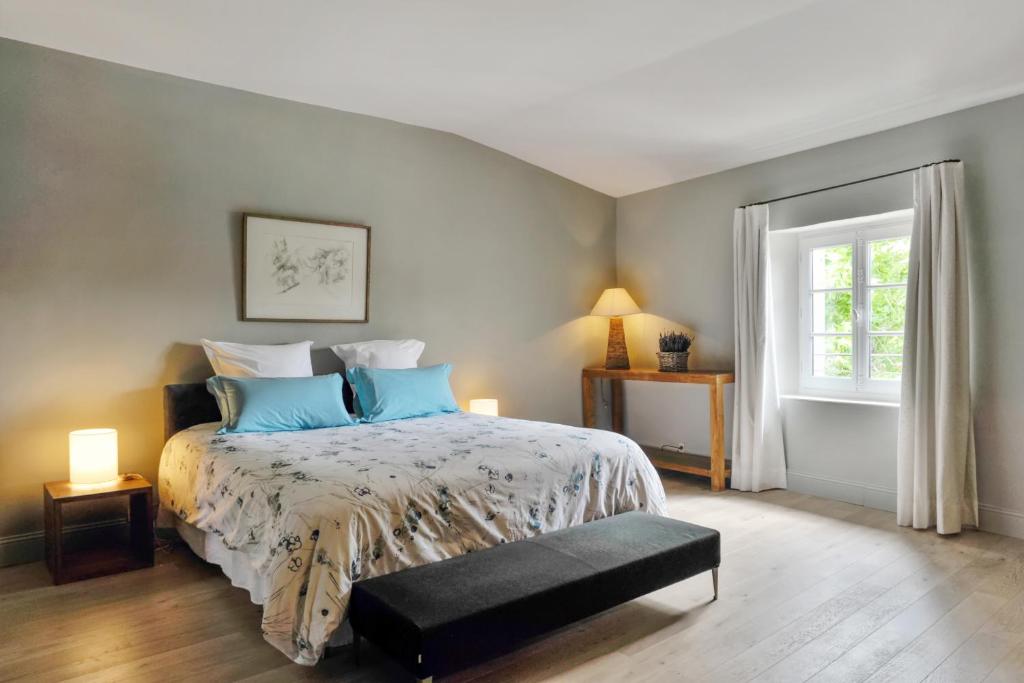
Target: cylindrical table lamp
point(92, 457)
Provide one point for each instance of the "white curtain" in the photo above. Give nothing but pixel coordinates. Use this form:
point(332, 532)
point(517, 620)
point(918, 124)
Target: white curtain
point(758, 455)
point(936, 484)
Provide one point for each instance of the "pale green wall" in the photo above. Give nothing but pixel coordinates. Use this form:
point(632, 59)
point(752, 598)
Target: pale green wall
point(120, 199)
point(120, 196)
point(674, 248)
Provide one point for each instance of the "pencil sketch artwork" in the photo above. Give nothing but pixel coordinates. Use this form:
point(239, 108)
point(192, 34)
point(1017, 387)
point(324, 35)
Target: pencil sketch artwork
point(298, 270)
point(321, 266)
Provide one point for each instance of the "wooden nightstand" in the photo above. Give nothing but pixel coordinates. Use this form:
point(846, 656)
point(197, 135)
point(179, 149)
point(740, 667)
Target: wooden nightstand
point(72, 565)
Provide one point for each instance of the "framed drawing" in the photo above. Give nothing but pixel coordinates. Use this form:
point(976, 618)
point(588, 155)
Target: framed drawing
point(297, 270)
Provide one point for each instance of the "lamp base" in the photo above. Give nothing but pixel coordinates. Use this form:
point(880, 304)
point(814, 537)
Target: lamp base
point(618, 356)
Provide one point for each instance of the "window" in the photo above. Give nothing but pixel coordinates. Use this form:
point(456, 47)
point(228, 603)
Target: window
point(853, 298)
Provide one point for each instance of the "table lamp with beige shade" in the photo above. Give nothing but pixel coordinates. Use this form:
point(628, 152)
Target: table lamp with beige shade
point(615, 303)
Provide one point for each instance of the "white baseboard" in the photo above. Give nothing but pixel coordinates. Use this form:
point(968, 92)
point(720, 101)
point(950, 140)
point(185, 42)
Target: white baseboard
point(28, 547)
point(854, 492)
point(1001, 520)
point(994, 519)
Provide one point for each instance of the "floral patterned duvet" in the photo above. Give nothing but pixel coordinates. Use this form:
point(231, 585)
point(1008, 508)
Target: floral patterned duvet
point(319, 509)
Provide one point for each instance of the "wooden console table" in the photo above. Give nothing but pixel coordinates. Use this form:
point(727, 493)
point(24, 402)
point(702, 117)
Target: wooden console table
point(716, 470)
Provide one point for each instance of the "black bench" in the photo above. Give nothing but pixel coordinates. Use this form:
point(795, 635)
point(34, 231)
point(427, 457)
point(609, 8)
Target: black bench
point(442, 617)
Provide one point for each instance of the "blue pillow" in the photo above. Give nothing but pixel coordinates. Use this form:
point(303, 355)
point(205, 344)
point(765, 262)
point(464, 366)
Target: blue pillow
point(397, 394)
point(279, 404)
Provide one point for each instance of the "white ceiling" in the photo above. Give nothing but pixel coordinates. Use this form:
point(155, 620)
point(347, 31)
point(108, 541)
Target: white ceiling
point(619, 95)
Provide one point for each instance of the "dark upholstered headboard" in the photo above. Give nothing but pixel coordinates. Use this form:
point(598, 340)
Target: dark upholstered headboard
point(186, 405)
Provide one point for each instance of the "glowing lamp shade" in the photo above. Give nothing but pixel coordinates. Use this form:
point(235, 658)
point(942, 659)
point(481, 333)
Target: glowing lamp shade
point(615, 303)
point(92, 457)
point(484, 406)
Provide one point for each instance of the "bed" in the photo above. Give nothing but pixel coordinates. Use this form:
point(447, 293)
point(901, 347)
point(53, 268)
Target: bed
point(297, 517)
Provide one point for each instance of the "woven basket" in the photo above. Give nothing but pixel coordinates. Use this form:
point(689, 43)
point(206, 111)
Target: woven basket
point(673, 361)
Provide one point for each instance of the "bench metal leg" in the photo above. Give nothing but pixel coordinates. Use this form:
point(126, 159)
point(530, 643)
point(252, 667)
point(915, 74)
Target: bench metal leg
point(714, 580)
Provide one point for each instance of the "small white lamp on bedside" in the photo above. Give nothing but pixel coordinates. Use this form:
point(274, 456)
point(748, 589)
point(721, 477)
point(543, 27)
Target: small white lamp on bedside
point(484, 406)
point(92, 457)
point(615, 303)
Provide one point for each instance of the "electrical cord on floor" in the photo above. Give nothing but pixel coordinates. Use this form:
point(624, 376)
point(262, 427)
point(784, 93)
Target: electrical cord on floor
point(162, 545)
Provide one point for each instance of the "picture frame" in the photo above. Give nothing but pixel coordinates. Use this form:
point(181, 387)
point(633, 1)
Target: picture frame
point(304, 270)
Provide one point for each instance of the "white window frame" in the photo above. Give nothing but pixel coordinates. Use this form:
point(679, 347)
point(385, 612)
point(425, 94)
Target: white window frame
point(858, 232)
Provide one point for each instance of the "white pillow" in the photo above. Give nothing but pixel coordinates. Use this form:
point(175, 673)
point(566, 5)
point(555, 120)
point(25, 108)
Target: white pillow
point(259, 360)
point(389, 354)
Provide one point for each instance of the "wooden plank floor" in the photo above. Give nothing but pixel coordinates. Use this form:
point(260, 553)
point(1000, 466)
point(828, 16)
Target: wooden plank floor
point(811, 589)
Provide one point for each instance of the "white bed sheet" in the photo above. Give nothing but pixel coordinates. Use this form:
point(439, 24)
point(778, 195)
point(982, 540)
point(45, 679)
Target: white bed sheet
point(239, 569)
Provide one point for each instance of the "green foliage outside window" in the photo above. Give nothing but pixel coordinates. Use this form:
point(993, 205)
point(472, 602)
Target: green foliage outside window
point(832, 268)
point(890, 264)
point(890, 261)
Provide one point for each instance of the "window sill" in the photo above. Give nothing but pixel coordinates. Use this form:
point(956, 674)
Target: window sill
point(851, 401)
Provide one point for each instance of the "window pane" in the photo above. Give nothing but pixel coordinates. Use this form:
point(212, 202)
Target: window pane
point(832, 267)
point(887, 343)
point(833, 366)
point(830, 345)
point(886, 367)
point(888, 307)
point(890, 260)
point(833, 312)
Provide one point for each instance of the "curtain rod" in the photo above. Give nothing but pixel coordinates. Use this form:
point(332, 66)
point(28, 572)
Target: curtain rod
point(852, 182)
